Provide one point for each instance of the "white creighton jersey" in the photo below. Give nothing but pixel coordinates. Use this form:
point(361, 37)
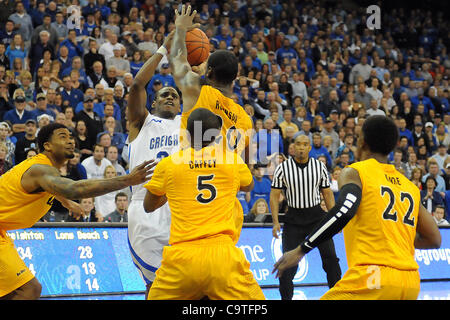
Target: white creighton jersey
point(157, 139)
point(148, 233)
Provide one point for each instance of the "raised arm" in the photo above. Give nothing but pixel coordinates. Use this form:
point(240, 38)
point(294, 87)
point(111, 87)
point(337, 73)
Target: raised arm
point(186, 80)
point(47, 178)
point(137, 100)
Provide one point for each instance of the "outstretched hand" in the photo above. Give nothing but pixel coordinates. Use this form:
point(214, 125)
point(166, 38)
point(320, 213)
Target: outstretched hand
point(184, 18)
point(141, 173)
point(169, 38)
point(288, 260)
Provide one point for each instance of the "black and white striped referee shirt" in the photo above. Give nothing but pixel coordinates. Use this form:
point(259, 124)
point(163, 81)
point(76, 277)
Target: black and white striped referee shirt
point(302, 182)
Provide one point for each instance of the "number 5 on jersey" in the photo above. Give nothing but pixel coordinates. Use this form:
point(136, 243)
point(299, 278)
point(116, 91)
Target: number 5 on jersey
point(207, 191)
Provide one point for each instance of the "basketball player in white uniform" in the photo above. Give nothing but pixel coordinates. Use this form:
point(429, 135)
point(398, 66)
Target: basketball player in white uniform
point(151, 136)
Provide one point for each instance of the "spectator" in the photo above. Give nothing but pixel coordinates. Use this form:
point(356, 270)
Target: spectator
point(16, 50)
point(69, 94)
point(120, 213)
point(5, 131)
point(122, 65)
point(107, 49)
point(60, 27)
point(441, 135)
point(96, 164)
point(90, 213)
point(259, 209)
point(318, 149)
point(117, 138)
point(41, 107)
point(362, 96)
point(361, 69)
point(439, 216)
point(441, 156)
point(91, 119)
point(262, 186)
point(18, 116)
point(71, 43)
point(97, 75)
point(429, 196)
point(268, 141)
point(348, 147)
point(374, 109)
point(433, 171)
point(106, 203)
point(28, 141)
point(5, 165)
point(112, 154)
point(287, 116)
point(22, 22)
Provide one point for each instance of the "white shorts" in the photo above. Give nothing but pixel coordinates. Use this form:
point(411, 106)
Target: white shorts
point(148, 233)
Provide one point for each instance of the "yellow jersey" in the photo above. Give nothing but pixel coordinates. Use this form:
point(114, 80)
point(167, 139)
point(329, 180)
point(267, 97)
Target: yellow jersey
point(201, 189)
point(236, 123)
point(384, 228)
point(18, 208)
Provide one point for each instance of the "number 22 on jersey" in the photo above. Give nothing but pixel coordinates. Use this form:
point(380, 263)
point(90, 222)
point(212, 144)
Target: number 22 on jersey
point(389, 213)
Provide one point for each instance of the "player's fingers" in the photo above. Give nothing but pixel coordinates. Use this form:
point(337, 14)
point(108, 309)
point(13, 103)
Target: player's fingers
point(275, 266)
point(183, 9)
point(188, 11)
point(194, 13)
point(145, 163)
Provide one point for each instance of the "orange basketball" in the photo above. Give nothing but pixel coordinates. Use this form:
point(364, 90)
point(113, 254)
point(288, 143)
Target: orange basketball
point(197, 45)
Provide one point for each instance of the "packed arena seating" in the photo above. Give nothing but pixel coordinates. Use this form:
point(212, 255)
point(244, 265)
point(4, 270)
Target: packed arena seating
point(306, 67)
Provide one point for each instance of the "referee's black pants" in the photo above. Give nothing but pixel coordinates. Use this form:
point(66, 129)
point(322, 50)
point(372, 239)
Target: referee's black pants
point(292, 236)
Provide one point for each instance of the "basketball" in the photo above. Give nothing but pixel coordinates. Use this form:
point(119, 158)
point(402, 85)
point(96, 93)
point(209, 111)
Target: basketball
point(197, 45)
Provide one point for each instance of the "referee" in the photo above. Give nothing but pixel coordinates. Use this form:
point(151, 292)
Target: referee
point(303, 179)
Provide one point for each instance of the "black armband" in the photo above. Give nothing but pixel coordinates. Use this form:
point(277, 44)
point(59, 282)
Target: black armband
point(335, 220)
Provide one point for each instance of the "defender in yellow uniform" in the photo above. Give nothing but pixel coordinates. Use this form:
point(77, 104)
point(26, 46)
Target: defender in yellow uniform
point(26, 194)
point(384, 222)
point(202, 259)
point(236, 123)
point(213, 92)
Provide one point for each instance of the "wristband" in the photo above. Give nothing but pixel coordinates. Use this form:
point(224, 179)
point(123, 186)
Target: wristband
point(162, 51)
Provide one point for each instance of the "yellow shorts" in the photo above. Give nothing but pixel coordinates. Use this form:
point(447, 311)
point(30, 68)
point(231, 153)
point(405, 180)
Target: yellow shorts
point(212, 267)
point(375, 283)
point(13, 271)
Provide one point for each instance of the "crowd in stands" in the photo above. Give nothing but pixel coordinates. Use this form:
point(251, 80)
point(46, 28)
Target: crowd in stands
point(306, 67)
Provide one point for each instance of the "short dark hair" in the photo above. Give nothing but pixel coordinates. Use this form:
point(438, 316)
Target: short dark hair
point(224, 65)
point(208, 119)
point(380, 134)
point(97, 145)
point(46, 133)
point(120, 194)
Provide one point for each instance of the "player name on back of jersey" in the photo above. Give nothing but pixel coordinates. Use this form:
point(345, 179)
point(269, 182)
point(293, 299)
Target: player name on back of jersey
point(393, 180)
point(227, 112)
point(201, 164)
